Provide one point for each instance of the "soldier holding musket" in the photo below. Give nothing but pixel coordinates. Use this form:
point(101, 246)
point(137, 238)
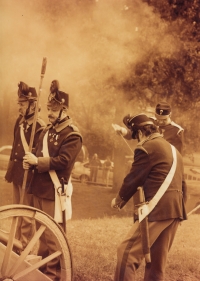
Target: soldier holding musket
point(27, 98)
point(56, 152)
point(158, 168)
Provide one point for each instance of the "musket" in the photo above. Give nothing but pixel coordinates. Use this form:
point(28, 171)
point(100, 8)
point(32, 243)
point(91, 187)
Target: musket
point(144, 229)
point(43, 69)
point(5, 262)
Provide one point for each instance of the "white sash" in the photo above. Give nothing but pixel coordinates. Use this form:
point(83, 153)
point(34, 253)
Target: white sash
point(23, 139)
point(145, 209)
point(62, 202)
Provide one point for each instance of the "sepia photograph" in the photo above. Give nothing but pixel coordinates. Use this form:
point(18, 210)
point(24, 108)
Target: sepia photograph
point(99, 143)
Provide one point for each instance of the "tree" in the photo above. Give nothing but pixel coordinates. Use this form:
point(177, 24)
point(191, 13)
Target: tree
point(116, 57)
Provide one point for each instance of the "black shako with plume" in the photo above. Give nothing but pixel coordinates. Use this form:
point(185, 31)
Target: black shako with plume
point(57, 99)
point(26, 93)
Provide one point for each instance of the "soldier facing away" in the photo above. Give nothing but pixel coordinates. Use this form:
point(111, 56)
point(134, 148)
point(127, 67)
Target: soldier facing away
point(154, 161)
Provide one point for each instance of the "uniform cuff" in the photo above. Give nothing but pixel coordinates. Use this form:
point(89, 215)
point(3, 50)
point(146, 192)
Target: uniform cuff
point(43, 164)
point(120, 202)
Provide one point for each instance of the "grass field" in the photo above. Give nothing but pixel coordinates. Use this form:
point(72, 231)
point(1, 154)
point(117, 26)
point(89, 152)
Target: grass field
point(94, 242)
point(96, 230)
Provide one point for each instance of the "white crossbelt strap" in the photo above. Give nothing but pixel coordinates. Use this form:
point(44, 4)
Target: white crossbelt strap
point(23, 139)
point(61, 202)
point(145, 209)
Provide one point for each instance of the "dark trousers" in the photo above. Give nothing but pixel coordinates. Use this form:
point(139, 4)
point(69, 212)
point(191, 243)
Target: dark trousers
point(47, 244)
point(26, 226)
point(130, 255)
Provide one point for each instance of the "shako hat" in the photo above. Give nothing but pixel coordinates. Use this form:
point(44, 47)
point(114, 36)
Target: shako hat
point(138, 121)
point(26, 93)
point(56, 97)
point(163, 109)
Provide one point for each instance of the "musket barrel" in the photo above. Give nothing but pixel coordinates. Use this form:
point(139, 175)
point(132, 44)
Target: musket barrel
point(44, 63)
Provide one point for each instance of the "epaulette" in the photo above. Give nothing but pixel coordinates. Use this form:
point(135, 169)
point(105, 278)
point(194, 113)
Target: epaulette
point(178, 126)
point(75, 131)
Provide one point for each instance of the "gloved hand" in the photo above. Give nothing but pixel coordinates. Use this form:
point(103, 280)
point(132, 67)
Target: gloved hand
point(126, 120)
point(113, 204)
point(30, 158)
point(118, 203)
point(120, 130)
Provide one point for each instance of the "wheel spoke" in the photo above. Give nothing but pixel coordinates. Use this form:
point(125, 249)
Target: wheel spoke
point(9, 247)
point(37, 265)
point(4, 236)
point(27, 249)
point(14, 266)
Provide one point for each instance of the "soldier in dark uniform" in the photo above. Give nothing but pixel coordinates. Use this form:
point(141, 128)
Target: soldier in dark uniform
point(153, 158)
point(64, 143)
point(171, 131)
point(27, 98)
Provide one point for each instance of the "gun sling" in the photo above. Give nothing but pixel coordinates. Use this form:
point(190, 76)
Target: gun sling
point(23, 139)
point(60, 199)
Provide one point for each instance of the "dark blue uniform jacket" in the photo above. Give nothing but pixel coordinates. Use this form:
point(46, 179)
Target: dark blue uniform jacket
point(64, 144)
point(15, 172)
point(173, 133)
point(152, 162)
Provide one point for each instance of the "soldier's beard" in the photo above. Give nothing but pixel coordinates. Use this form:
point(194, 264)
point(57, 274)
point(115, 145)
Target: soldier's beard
point(21, 112)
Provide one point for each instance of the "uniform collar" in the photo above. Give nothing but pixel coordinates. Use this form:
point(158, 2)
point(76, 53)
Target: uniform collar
point(28, 120)
point(151, 137)
point(60, 126)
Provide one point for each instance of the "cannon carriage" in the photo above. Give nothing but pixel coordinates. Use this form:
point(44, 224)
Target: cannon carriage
point(25, 267)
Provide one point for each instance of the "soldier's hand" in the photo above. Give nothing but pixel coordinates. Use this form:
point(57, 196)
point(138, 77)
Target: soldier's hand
point(30, 158)
point(120, 130)
point(26, 165)
point(113, 204)
point(118, 203)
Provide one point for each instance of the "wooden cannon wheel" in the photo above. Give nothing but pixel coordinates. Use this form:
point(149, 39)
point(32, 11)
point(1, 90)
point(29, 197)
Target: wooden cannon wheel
point(16, 267)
